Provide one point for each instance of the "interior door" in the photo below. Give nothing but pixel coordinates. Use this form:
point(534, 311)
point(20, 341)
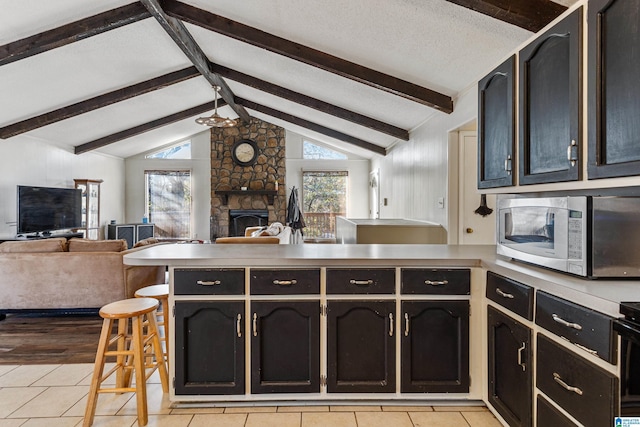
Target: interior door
point(474, 229)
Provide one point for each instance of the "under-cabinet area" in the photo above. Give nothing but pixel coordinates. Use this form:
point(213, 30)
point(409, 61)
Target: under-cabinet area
point(320, 332)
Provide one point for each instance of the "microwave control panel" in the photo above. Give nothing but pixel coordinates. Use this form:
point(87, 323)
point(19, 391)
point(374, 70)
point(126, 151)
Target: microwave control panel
point(575, 235)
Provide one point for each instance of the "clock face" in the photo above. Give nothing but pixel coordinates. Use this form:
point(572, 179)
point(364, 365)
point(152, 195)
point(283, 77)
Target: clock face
point(245, 152)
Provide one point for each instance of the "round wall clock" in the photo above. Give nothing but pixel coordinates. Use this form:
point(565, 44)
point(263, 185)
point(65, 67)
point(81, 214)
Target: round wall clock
point(245, 152)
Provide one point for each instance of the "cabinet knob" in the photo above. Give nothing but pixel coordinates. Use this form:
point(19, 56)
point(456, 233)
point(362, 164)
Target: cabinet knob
point(469, 230)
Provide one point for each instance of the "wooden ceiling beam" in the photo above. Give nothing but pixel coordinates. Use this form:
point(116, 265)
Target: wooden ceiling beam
point(312, 126)
point(72, 32)
point(181, 36)
point(308, 55)
point(532, 15)
point(97, 102)
point(308, 101)
point(146, 127)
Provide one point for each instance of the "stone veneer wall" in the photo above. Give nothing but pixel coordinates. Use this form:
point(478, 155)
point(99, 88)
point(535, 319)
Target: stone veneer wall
point(226, 175)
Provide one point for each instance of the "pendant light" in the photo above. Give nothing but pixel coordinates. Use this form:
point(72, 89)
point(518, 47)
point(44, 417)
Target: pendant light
point(215, 120)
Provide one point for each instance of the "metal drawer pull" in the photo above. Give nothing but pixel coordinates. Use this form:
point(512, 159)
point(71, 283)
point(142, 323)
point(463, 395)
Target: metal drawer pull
point(436, 282)
point(285, 282)
point(238, 321)
point(361, 282)
point(255, 325)
point(588, 350)
point(406, 324)
point(504, 294)
point(520, 350)
point(560, 320)
point(208, 282)
point(558, 379)
point(390, 324)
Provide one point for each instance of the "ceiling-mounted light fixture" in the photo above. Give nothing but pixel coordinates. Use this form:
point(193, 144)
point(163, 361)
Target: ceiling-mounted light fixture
point(215, 120)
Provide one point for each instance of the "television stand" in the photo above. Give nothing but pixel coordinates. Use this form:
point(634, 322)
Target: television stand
point(39, 236)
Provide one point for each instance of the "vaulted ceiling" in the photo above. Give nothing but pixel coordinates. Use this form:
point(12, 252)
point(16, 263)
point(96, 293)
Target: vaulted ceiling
point(123, 77)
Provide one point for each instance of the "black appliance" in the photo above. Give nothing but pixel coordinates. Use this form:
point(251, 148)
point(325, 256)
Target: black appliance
point(628, 328)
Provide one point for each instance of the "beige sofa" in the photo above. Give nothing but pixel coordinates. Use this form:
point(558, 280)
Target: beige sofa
point(63, 275)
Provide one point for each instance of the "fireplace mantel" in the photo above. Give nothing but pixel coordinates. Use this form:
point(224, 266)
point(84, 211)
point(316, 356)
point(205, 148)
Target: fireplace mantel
point(226, 193)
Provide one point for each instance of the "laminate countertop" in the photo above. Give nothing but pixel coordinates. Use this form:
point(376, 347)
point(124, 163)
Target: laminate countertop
point(602, 295)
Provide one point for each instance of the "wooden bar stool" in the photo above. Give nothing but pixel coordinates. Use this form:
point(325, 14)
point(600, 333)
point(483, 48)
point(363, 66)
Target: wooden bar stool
point(161, 293)
point(130, 353)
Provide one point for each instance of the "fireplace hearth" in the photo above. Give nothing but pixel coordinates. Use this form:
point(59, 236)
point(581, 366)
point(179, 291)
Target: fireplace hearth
point(239, 219)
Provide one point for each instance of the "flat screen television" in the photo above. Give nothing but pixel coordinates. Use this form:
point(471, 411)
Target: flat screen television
point(46, 209)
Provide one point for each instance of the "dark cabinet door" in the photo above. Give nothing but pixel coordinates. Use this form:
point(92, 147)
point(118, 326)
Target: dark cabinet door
point(510, 376)
point(496, 133)
point(550, 107)
point(586, 391)
point(285, 347)
point(614, 92)
point(361, 346)
point(435, 347)
point(209, 347)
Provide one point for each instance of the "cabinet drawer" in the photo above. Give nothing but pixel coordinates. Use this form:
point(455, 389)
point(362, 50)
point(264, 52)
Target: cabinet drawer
point(582, 326)
point(586, 391)
point(208, 281)
point(548, 415)
point(430, 281)
point(510, 294)
point(360, 280)
point(284, 281)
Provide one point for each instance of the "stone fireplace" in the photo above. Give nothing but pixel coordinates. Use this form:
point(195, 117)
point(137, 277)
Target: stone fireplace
point(252, 188)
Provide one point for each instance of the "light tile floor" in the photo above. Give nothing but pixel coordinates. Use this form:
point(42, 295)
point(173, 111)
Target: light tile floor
point(55, 396)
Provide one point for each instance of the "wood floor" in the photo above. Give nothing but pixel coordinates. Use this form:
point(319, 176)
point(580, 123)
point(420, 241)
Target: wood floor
point(57, 339)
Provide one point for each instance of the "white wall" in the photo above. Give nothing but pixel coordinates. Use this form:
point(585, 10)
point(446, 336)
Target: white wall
point(200, 167)
point(358, 169)
point(414, 173)
point(27, 161)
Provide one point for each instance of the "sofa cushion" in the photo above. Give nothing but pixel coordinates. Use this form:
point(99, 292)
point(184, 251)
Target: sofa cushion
point(146, 242)
point(56, 244)
point(83, 245)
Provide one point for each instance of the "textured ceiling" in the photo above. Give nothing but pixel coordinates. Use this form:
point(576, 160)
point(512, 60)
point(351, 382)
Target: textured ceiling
point(432, 43)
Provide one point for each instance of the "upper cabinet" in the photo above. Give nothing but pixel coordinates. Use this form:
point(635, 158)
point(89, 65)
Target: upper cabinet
point(550, 104)
point(614, 92)
point(496, 138)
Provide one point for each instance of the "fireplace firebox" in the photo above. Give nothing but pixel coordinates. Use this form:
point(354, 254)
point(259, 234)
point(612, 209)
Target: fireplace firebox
point(239, 219)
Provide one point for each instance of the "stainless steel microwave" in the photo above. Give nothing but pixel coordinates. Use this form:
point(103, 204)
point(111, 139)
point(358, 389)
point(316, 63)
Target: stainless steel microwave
point(582, 235)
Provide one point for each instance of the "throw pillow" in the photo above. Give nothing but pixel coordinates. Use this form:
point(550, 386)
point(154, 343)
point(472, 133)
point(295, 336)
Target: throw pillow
point(146, 242)
point(274, 229)
point(56, 244)
point(83, 245)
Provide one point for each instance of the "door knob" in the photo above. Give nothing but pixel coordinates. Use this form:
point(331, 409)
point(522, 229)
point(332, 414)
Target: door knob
point(469, 230)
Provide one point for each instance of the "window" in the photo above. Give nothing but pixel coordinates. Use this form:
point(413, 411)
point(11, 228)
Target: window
point(315, 152)
point(169, 202)
point(324, 196)
point(180, 151)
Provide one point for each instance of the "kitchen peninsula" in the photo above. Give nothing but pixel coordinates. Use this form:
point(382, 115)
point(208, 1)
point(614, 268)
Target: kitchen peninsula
point(357, 322)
